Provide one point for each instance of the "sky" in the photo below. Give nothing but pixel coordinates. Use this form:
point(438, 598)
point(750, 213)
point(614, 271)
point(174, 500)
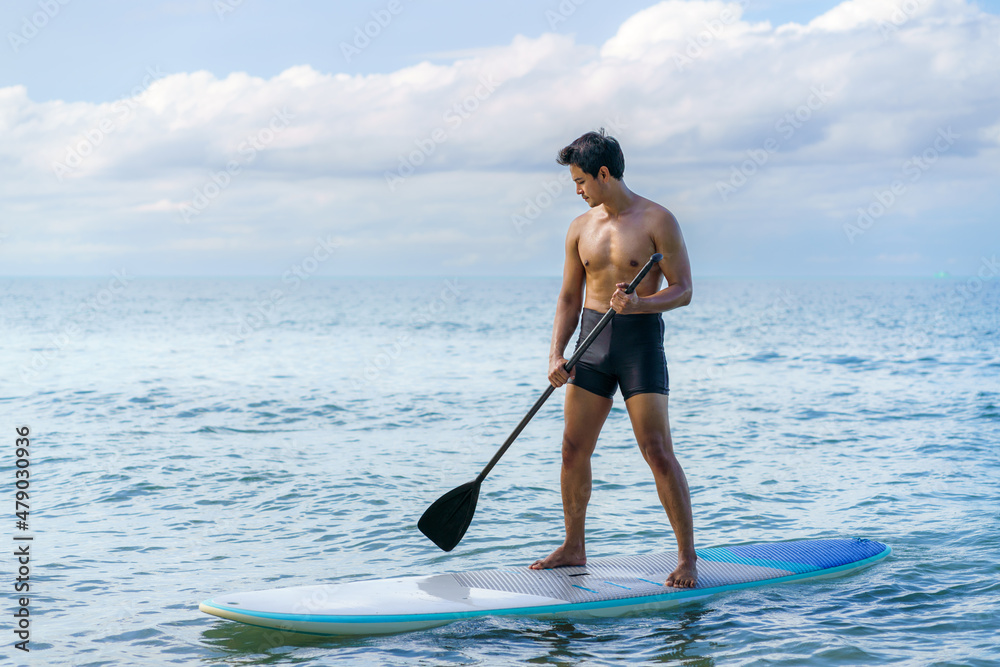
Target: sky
point(412, 137)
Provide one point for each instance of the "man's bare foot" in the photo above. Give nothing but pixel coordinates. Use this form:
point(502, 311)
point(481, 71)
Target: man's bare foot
point(561, 557)
point(685, 576)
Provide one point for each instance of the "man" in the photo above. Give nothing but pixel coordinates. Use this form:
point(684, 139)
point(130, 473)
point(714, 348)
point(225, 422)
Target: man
point(605, 248)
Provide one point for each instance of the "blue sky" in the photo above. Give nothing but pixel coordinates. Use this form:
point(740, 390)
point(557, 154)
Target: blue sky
point(229, 137)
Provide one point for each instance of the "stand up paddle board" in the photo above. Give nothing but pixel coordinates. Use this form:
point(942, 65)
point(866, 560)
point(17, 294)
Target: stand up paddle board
point(603, 587)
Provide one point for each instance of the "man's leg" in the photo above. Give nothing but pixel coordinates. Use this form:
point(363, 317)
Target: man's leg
point(651, 425)
point(585, 413)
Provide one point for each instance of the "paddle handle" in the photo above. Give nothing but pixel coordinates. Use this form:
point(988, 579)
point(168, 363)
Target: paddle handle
point(608, 316)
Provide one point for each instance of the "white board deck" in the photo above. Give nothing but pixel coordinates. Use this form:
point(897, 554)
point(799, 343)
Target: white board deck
point(603, 587)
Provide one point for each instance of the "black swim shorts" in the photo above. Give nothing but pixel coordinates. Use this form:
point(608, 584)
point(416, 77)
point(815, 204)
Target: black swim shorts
point(628, 352)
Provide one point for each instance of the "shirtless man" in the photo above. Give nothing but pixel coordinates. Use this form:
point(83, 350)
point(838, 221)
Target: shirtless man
point(605, 247)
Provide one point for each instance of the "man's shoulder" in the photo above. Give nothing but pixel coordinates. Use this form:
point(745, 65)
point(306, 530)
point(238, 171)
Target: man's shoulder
point(650, 207)
point(656, 214)
point(580, 221)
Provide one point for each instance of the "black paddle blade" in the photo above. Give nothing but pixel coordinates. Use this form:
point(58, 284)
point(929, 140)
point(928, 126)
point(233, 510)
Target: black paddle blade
point(445, 522)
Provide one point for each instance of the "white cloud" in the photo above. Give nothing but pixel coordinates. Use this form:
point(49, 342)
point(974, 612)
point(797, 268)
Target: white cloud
point(855, 14)
point(671, 28)
point(844, 101)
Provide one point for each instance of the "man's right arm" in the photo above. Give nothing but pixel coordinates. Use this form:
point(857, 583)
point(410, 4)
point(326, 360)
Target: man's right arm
point(567, 308)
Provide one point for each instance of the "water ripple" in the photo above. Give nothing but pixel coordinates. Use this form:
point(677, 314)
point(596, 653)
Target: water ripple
point(172, 465)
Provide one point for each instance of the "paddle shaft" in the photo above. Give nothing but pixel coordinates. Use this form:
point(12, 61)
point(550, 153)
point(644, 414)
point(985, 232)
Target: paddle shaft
point(608, 316)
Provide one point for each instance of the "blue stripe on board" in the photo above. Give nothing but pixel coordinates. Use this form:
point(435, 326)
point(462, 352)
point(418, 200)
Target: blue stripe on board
point(618, 585)
point(650, 582)
point(720, 555)
point(549, 609)
point(819, 554)
point(583, 589)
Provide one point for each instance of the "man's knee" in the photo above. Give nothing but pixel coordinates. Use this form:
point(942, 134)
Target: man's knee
point(657, 450)
point(574, 451)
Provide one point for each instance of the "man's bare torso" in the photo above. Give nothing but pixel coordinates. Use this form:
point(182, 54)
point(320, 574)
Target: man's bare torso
point(613, 250)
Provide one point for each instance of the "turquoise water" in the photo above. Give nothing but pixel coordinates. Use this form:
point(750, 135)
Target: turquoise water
point(197, 436)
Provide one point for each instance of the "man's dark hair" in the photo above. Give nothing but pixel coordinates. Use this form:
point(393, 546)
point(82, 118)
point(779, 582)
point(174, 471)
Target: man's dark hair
point(593, 151)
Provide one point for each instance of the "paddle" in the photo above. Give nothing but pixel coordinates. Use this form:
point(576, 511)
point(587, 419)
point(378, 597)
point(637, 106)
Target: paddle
point(446, 521)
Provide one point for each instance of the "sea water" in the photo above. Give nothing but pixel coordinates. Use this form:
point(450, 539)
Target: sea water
point(190, 437)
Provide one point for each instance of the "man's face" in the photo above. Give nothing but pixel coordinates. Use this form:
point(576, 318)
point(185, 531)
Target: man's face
point(586, 186)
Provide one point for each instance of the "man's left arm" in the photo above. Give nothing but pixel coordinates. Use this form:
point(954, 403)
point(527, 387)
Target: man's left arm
point(675, 266)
